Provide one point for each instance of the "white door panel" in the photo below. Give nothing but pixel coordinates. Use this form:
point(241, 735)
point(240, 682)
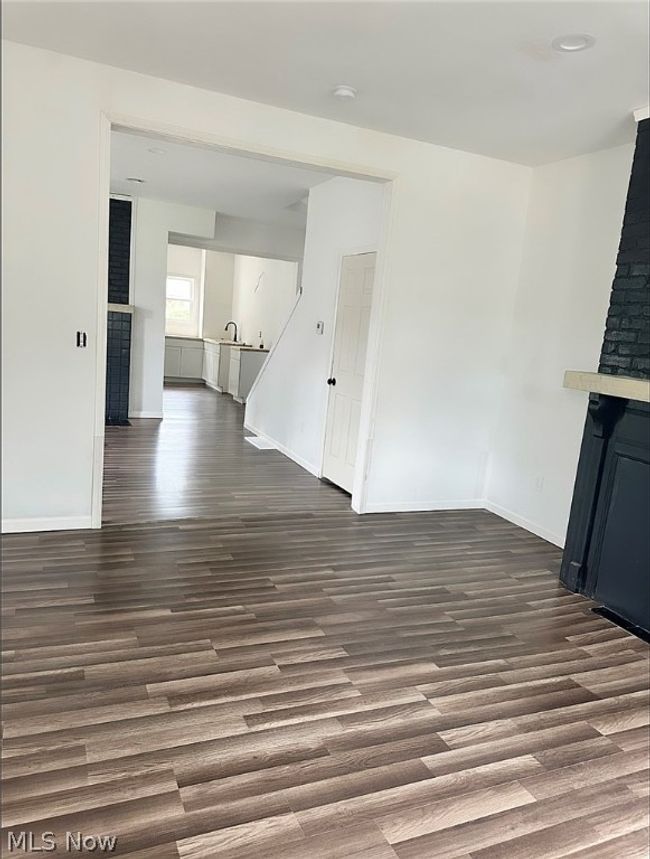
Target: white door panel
point(348, 367)
point(353, 433)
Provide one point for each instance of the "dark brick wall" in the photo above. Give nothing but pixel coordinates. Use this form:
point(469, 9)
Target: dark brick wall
point(117, 367)
point(626, 346)
point(118, 339)
point(119, 251)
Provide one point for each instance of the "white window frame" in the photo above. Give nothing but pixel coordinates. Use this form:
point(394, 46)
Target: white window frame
point(192, 328)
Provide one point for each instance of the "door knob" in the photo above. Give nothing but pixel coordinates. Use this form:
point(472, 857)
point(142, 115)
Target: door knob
point(331, 381)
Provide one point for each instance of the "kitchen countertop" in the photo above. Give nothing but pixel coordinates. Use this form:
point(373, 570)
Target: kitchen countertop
point(243, 348)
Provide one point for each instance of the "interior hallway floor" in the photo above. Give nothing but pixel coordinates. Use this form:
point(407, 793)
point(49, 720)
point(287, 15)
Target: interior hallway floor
point(196, 463)
point(277, 677)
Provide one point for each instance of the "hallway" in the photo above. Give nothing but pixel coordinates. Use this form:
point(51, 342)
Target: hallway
point(195, 463)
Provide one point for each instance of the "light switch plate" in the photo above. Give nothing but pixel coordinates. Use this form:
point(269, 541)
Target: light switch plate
point(320, 327)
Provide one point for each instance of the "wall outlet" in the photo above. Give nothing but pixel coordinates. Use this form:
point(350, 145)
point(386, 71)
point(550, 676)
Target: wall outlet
point(320, 327)
point(539, 484)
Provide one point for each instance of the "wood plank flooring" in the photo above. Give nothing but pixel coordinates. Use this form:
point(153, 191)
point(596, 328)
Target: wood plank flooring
point(319, 685)
point(196, 463)
point(310, 683)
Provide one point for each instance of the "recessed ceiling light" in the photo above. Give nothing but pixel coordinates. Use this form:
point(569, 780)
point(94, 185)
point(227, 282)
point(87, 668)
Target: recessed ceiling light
point(343, 91)
point(155, 151)
point(136, 179)
point(573, 42)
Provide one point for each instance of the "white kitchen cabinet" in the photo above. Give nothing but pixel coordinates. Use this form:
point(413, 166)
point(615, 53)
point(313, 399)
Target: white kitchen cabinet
point(191, 362)
point(183, 358)
point(245, 365)
point(216, 364)
point(211, 359)
point(233, 373)
point(172, 359)
point(224, 367)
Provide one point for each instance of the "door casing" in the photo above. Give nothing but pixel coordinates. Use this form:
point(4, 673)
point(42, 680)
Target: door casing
point(147, 126)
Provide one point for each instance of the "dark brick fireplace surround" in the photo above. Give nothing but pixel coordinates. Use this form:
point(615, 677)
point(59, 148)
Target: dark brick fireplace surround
point(118, 340)
point(607, 552)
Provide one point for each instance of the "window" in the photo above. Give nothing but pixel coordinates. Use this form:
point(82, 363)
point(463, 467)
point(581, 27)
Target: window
point(182, 309)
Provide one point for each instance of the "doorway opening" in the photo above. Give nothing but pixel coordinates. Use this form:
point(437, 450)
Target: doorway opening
point(240, 274)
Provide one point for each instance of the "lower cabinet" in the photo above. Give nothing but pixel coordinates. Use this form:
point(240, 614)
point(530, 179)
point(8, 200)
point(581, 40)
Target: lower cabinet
point(245, 365)
point(211, 357)
point(233, 374)
point(227, 369)
point(183, 358)
point(224, 368)
point(216, 365)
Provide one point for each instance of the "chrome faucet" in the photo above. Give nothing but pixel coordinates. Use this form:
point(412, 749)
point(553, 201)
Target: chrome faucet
point(228, 324)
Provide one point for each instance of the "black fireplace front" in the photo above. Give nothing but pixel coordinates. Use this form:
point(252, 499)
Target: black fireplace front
point(607, 554)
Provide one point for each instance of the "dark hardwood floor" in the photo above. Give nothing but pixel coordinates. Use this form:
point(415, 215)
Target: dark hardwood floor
point(295, 682)
point(196, 463)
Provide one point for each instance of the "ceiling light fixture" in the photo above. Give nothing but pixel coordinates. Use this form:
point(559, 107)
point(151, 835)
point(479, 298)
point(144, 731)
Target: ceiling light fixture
point(572, 43)
point(136, 179)
point(343, 91)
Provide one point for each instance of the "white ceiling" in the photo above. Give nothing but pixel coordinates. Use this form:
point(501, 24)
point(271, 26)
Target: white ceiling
point(232, 184)
point(478, 76)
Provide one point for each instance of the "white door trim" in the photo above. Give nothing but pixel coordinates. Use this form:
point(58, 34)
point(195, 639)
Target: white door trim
point(102, 316)
point(141, 125)
point(373, 357)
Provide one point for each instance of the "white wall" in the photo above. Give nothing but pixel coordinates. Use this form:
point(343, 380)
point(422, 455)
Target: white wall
point(454, 275)
point(574, 226)
point(256, 238)
point(264, 293)
point(289, 402)
point(50, 150)
point(217, 293)
point(185, 261)
point(154, 220)
point(449, 268)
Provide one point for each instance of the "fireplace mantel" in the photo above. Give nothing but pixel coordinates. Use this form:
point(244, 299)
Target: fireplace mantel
point(612, 386)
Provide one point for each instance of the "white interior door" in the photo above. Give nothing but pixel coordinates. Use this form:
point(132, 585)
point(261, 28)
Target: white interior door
point(348, 365)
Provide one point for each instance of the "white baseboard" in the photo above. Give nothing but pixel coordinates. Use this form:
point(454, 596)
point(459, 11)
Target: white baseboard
point(524, 523)
point(157, 415)
point(213, 387)
point(46, 523)
point(469, 504)
point(423, 506)
point(308, 466)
